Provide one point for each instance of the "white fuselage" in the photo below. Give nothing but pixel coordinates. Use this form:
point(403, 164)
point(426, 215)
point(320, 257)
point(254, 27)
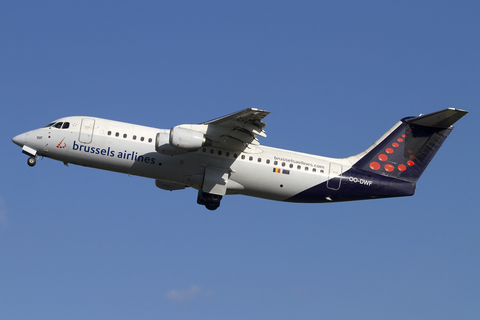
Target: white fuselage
point(262, 171)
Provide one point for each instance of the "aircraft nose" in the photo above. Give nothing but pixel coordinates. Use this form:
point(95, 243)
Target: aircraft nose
point(20, 140)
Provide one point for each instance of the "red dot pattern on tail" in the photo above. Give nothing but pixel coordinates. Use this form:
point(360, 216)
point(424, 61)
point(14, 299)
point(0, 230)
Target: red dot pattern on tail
point(389, 167)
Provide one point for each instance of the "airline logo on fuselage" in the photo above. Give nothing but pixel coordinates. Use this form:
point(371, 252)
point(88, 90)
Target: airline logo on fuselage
point(108, 152)
point(61, 144)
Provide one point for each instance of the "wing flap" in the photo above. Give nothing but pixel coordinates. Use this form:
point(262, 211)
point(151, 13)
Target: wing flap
point(238, 130)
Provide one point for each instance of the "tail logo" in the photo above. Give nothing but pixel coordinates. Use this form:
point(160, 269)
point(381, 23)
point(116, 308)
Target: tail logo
point(383, 157)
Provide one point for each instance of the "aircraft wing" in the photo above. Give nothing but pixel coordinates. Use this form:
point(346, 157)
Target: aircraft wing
point(238, 130)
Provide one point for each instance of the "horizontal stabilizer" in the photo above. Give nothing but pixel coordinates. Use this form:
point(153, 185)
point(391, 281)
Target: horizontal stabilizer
point(440, 119)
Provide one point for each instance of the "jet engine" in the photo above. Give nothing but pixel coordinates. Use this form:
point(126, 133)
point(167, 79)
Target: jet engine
point(180, 140)
point(187, 139)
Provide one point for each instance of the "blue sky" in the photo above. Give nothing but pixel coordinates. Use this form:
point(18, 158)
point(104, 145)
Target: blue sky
point(79, 243)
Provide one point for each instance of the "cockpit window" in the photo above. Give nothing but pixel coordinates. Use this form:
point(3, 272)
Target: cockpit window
point(58, 125)
point(66, 125)
point(49, 125)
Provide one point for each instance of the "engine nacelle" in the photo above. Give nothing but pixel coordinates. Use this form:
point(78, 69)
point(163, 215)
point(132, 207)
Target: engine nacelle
point(188, 139)
point(180, 141)
point(162, 145)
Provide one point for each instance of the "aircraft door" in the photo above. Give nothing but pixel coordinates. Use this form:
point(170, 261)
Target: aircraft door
point(86, 130)
point(334, 176)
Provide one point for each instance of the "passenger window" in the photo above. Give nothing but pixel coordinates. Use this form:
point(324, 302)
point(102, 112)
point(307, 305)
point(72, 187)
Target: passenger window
point(227, 154)
point(66, 125)
point(268, 161)
point(109, 133)
point(149, 140)
point(212, 151)
point(235, 155)
point(250, 158)
point(117, 134)
point(219, 152)
point(58, 125)
point(142, 138)
point(204, 150)
point(275, 163)
point(243, 156)
point(283, 164)
point(299, 167)
point(291, 165)
point(314, 170)
point(134, 137)
point(259, 160)
point(306, 168)
point(124, 135)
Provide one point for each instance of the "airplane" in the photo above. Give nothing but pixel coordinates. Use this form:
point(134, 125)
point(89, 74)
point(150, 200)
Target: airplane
point(223, 156)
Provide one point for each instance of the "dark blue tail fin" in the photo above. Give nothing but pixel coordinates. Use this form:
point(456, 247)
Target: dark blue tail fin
point(406, 150)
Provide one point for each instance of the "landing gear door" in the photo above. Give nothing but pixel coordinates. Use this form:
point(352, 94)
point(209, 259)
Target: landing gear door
point(334, 176)
point(86, 130)
point(215, 180)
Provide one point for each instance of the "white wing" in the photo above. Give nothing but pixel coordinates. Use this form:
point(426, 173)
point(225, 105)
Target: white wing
point(238, 130)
